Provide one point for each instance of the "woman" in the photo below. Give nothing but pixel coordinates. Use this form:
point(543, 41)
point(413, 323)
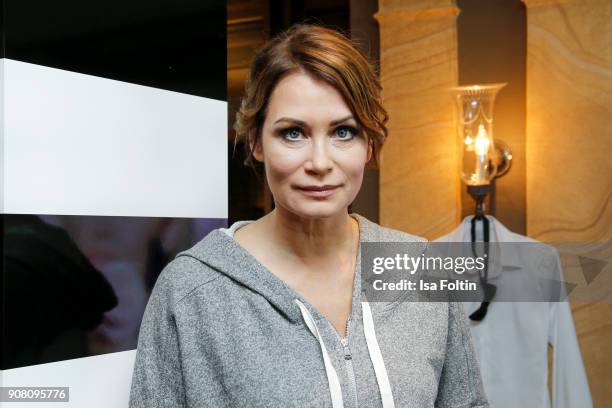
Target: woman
point(269, 313)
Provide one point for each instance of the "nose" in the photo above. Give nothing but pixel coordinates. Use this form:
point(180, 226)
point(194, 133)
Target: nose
point(320, 159)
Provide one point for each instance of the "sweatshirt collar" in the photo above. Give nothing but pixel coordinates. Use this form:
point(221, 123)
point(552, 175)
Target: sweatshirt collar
point(221, 252)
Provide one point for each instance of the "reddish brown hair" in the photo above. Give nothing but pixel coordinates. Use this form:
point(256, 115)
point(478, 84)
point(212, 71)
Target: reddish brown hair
point(326, 54)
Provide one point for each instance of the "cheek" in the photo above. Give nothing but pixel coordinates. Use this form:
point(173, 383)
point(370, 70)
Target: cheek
point(281, 163)
point(353, 164)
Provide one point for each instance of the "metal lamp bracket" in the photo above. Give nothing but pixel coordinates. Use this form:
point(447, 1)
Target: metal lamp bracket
point(504, 158)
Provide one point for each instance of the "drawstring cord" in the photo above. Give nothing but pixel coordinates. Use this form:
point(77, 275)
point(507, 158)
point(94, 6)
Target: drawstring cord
point(382, 378)
point(332, 377)
point(384, 386)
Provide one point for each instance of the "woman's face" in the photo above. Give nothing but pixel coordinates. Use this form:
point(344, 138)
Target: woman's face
point(310, 139)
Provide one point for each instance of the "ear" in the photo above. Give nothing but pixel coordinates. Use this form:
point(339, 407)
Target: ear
point(370, 149)
point(255, 147)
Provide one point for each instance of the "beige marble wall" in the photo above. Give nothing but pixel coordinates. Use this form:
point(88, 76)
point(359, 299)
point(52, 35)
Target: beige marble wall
point(569, 131)
point(569, 151)
point(419, 181)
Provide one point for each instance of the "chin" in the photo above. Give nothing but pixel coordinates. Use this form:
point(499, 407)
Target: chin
point(318, 209)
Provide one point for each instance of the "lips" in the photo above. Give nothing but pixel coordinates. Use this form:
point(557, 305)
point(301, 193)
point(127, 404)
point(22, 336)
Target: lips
point(318, 191)
point(318, 188)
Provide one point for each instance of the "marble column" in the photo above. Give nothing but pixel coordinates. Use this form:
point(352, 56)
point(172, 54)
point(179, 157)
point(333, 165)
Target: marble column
point(419, 180)
point(569, 154)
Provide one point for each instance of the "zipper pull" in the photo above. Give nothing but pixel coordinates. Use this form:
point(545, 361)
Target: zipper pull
point(347, 352)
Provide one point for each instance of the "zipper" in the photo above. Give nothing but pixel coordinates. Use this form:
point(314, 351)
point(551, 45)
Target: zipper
point(348, 361)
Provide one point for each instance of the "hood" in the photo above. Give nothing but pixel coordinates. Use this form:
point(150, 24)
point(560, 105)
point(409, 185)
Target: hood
point(222, 253)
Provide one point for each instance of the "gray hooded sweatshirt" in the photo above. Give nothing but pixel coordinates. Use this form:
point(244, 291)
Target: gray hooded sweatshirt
point(221, 330)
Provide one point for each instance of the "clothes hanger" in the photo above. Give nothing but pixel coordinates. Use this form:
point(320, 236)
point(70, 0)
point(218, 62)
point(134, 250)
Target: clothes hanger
point(488, 288)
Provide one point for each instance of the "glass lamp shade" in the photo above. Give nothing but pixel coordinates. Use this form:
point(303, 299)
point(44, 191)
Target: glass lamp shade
point(475, 130)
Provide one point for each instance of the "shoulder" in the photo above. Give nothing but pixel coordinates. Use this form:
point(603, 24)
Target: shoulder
point(373, 232)
point(394, 235)
point(182, 276)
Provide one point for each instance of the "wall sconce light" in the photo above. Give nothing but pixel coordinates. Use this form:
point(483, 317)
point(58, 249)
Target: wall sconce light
point(483, 158)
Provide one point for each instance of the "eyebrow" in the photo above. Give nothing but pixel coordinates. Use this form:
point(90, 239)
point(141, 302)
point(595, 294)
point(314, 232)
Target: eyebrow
point(302, 123)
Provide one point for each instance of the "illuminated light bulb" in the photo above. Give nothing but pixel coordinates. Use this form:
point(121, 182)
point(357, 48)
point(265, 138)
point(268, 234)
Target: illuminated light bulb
point(482, 141)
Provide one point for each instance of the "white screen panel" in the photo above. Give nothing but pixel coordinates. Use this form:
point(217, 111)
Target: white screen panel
point(95, 382)
point(83, 145)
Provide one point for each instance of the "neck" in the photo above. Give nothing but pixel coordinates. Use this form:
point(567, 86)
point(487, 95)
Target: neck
point(313, 237)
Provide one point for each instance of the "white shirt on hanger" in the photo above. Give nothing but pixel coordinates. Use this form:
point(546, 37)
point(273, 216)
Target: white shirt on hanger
point(512, 340)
